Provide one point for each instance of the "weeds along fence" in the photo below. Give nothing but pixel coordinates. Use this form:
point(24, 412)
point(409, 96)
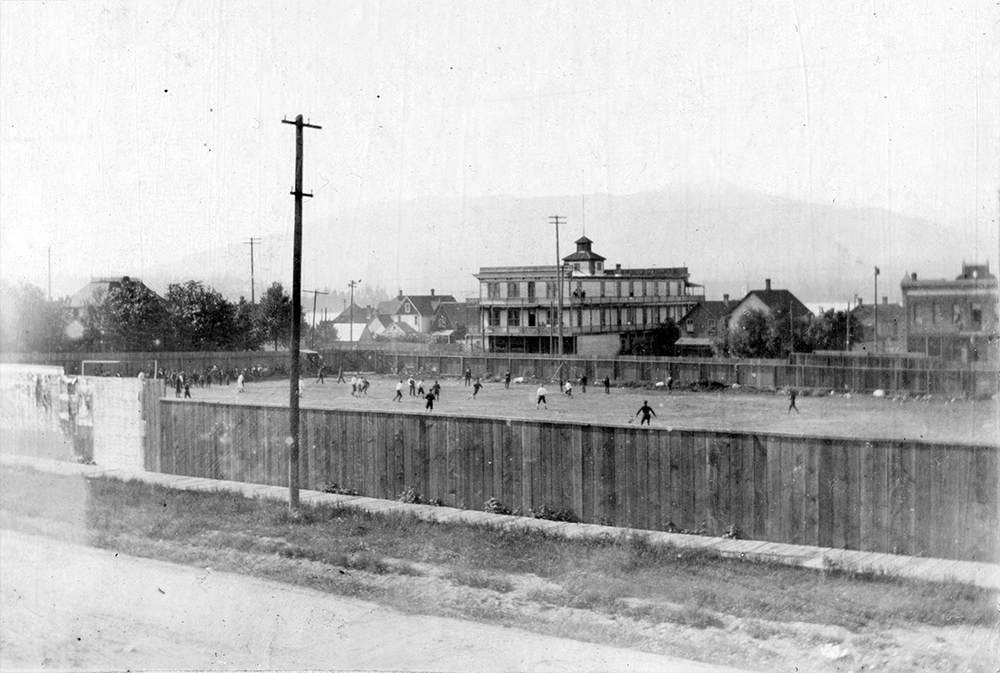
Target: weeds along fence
point(842, 372)
point(906, 497)
point(46, 414)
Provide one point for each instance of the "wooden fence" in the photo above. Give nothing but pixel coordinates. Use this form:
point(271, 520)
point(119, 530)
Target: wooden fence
point(815, 371)
point(895, 496)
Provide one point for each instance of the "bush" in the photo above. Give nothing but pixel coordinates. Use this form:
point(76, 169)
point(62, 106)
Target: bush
point(330, 487)
point(554, 514)
point(410, 496)
point(494, 506)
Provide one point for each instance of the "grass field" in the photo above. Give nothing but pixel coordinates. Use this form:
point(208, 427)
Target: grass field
point(621, 590)
point(862, 416)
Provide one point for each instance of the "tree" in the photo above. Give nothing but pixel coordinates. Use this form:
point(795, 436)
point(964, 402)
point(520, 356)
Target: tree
point(247, 335)
point(30, 322)
point(274, 316)
point(127, 317)
point(753, 336)
point(788, 335)
point(200, 318)
point(829, 332)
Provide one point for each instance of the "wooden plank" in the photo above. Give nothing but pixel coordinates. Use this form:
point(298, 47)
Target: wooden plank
point(587, 472)
point(609, 477)
point(700, 450)
point(869, 502)
point(575, 469)
point(775, 500)
point(452, 457)
point(528, 434)
point(640, 480)
point(744, 448)
point(622, 474)
point(795, 514)
point(826, 480)
point(813, 449)
point(654, 493)
point(899, 507)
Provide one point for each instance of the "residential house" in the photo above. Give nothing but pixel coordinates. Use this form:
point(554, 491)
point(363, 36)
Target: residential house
point(701, 326)
point(955, 320)
point(97, 287)
point(600, 309)
point(771, 302)
point(416, 310)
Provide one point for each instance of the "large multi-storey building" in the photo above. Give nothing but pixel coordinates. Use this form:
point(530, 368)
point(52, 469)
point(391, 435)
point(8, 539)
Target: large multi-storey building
point(602, 309)
point(955, 320)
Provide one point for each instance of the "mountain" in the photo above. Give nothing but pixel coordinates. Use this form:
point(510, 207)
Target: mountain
point(730, 238)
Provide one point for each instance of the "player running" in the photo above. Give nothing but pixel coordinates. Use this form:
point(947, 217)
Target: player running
point(645, 410)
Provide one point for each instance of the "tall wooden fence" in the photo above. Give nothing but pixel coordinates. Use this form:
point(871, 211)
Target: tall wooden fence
point(905, 497)
point(816, 371)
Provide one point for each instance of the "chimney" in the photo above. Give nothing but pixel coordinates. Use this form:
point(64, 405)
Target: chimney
point(432, 292)
point(913, 276)
point(860, 302)
point(400, 294)
point(885, 301)
point(725, 300)
point(767, 284)
point(618, 269)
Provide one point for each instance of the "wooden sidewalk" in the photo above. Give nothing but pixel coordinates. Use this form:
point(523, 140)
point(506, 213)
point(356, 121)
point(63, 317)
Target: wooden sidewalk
point(986, 575)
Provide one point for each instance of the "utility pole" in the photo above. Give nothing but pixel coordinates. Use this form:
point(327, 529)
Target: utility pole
point(252, 242)
point(293, 386)
point(351, 284)
point(557, 220)
point(314, 293)
point(876, 310)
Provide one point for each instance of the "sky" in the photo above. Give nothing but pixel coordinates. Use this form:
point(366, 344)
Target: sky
point(134, 133)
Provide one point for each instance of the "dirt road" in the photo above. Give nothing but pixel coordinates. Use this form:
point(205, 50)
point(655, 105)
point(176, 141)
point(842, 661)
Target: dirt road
point(73, 607)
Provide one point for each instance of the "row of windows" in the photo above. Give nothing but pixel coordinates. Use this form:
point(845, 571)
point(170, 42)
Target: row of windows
point(630, 316)
point(935, 313)
point(617, 288)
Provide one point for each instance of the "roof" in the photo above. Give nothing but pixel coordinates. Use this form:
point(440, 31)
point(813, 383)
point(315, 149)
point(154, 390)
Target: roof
point(669, 271)
point(360, 315)
point(778, 300)
point(713, 310)
point(424, 304)
point(456, 311)
point(87, 293)
point(583, 256)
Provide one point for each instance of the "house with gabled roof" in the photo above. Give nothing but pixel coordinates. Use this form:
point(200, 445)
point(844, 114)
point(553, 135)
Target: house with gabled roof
point(97, 287)
point(771, 302)
point(416, 310)
point(701, 326)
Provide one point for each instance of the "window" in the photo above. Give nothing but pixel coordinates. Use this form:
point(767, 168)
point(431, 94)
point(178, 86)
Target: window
point(576, 266)
point(600, 266)
point(618, 288)
point(495, 317)
point(711, 328)
point(532, 318)
point(513, 317)
point(631, 288)
point(618, 317)
point(689, 325)
point(493, 290)
point(604, 317)
point(550, 288)
point(956, 313)
point(977, 316)
point(531, 289)
point(406, 308)
point(513, 290)
point(579, 317)
point(602, 288)
point(936, 313)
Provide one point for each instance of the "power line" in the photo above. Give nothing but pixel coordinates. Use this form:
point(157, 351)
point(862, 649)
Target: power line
point(315, 294)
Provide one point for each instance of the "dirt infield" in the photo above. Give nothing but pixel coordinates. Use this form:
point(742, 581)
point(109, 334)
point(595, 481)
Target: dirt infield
point(858, 416)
